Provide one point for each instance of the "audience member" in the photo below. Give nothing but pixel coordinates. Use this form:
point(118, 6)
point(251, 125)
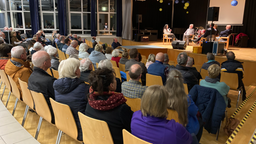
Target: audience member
point(85, 68)
point(30, 45)
point(134, 59)
point(157, 68)
point(79, 40)
point(104, 104)
point(115, 56)
point(37, 47)
point(5, 54)
point(150, 123)
point(189, 77)
point(14, 39)
point(151, 59)
point(70, 90)
point(40, 81)
point(17, 67)
point(166, 61)
point(188, 34)
point(192, 69)
point(133, 88)
point(115, 43)
point(18, 36)
point(67, 43)
point(124, 57)
point(71, 50)
point(57, 38)
point(234, 66)
point(2, 36)
point(94, 39)
point(74, 56)
point(83, 51)
point(108, 53)
point(96, 56)
point(52, 51)
point(61, 43)
point(211, 60)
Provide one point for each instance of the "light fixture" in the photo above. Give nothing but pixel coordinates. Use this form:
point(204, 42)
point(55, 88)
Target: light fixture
point(176, 1)
point(160, 9)
point(104, 8)
point(234, 3)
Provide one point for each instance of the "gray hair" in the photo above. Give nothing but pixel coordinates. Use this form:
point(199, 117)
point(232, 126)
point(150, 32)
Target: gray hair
point(38, 46)
point(83, 47)
point(68, 67)
point(74, 56)
point(210, 56)
point(190, 61)
point(85, 64)
point(39, 59)
point(151, 57)
point(105, 63)
point(17, 51)
point(182, 58)
point(115, 53)
point(51, 50)
point(230, 55)
point(166, 57)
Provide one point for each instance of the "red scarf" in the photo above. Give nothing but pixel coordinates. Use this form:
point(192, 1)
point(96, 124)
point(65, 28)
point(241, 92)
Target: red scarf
point(114, 100)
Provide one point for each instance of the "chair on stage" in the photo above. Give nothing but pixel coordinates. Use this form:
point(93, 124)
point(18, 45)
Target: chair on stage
point(225, 40)
point(129, 138)
point(168, 39)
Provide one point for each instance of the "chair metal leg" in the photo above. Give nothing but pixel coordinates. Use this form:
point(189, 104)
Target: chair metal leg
point(1, 84)
point(38, 127)
point(218, 132)
point(16, 102)
point(25, 115)
point(59, 137)
point(3, 92)
point(8, 99)
point(238, 97)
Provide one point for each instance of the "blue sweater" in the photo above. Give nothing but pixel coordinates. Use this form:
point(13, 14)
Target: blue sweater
point(158, 69)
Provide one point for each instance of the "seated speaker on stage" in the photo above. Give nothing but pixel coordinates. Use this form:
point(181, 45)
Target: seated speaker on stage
point(208, 32)
point(168, 31)
point(188, 33)
point(225, 33)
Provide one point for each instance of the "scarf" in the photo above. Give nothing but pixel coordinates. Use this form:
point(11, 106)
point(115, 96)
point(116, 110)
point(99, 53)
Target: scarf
point(114, 100)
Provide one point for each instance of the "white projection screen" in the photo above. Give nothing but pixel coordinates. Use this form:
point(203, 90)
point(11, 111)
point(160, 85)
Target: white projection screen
point(229, 14)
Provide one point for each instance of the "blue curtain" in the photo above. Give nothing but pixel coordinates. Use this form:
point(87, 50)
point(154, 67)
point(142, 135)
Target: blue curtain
point(119, 19)
point(33, 6)
point(62, 17)
point(93, 18)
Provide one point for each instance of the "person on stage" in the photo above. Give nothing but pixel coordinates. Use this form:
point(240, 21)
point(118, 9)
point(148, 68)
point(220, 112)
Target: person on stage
point(208, 32)
point(188, 34)
point(225, 33)
point(167, 31)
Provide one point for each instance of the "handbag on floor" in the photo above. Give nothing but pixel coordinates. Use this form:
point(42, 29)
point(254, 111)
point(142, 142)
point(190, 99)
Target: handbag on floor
point(231, 125)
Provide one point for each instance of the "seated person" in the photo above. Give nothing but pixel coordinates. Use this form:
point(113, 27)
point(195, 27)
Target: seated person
point(52, 51)
point(83, 51)
point(168, 31)
point(188, 76)
point(37, 47)
point(124, 57)
point(72, 91)
point(115, 56)
point(157, 68)
point(85, 68)
point(71, 50)
point(18, 36)
point(108, 53)
point(67, 43)
point(211, 60)
point(61, 43)
point(133, 88)
point(225, 33)
point(115, 43)
point(79, 40)
point(188, 34)
point(190, 67)
point(94, 39)
point(2, 36)
point(96, 56)
point(207, 33)
point(107, 64)
point(166, 61)
point(14, 39)
point(151, 60)
point(107, 105)
point(150, 123)
point(213, 82)
point(5, 54)
point(40, 81)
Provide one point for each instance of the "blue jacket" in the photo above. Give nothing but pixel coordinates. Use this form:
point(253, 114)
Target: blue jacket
point(193, 124)
point(96, 57)
point(211, 105)
point(157, 68)
point(72, 92)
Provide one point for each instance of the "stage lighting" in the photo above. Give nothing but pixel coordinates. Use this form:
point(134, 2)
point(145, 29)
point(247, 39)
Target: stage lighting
point(160, 9)
point(234, 3)
point(177, 1)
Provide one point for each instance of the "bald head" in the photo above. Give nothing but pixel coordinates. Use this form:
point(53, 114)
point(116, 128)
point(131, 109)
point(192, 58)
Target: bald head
point(135, 72)
point(160, 57)
point(40, 58)
point(228, 27)
point(74, 43)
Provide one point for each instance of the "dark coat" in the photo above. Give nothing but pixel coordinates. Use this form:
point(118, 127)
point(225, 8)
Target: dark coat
point(72, 92)
point(40, 81)
point(225, 33)
point(207, 64)
point(85, 75)
point(157, 68)
point(195, 72)
point(211, 105)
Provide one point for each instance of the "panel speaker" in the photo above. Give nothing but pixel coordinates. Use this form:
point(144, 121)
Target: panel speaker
point(213, 13)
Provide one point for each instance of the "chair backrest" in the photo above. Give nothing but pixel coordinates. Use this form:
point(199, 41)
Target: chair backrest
point(204, 73)
point(121, 67)
point(185, 88)
point(128, 138)
point(153, 80)
point(26, 94)
point(97, 64)
point(172, 114)
point(15, 89)
point(64, 119)
point(134, 103)
point(55, 74)
point(5, 79)
point(165, 36)
point(49, 71)
point(231, 79)
point(62, 55)
point(113, 63)
point(94, 131)
point(67, 56)
point(42, 108)
point(117, 71)
point(127, 76)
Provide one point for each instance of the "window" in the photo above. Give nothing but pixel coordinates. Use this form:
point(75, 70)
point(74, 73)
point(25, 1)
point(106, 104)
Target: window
point(49, 15)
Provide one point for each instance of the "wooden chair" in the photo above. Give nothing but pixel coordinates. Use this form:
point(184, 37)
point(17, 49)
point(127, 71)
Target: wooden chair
point(113, 63)
point(27, 99)
point(171, 63)
point(127, 76)
point(101, 42)
point(128, 138)
point(15, 92)
point(121, 67)
point(185, 88)
point(94, 131)
point(165, 37)
point(202, 40)
point(97, 64)
point(55, 74)
point(134, 103)
point(67, 56)
point(231, 79)
point(204, 73)
point(172, 114)
point(143, 59)
point(226, 40)
point(42, 109)
point(64, 120)
point(117, 71)
point(49, 71)
point(6, 85)
point(153, 80)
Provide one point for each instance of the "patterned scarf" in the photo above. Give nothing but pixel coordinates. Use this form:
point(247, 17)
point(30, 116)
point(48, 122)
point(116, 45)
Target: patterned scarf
point(114, 100)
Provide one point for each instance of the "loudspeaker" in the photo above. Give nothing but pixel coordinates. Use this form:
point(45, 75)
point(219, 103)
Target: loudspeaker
point(179, 44)
point(139, 18)
point(213, 13)
point(207, 47)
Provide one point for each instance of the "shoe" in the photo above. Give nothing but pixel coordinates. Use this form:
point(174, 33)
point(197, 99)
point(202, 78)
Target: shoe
point(229, 102)
point(196, 40)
